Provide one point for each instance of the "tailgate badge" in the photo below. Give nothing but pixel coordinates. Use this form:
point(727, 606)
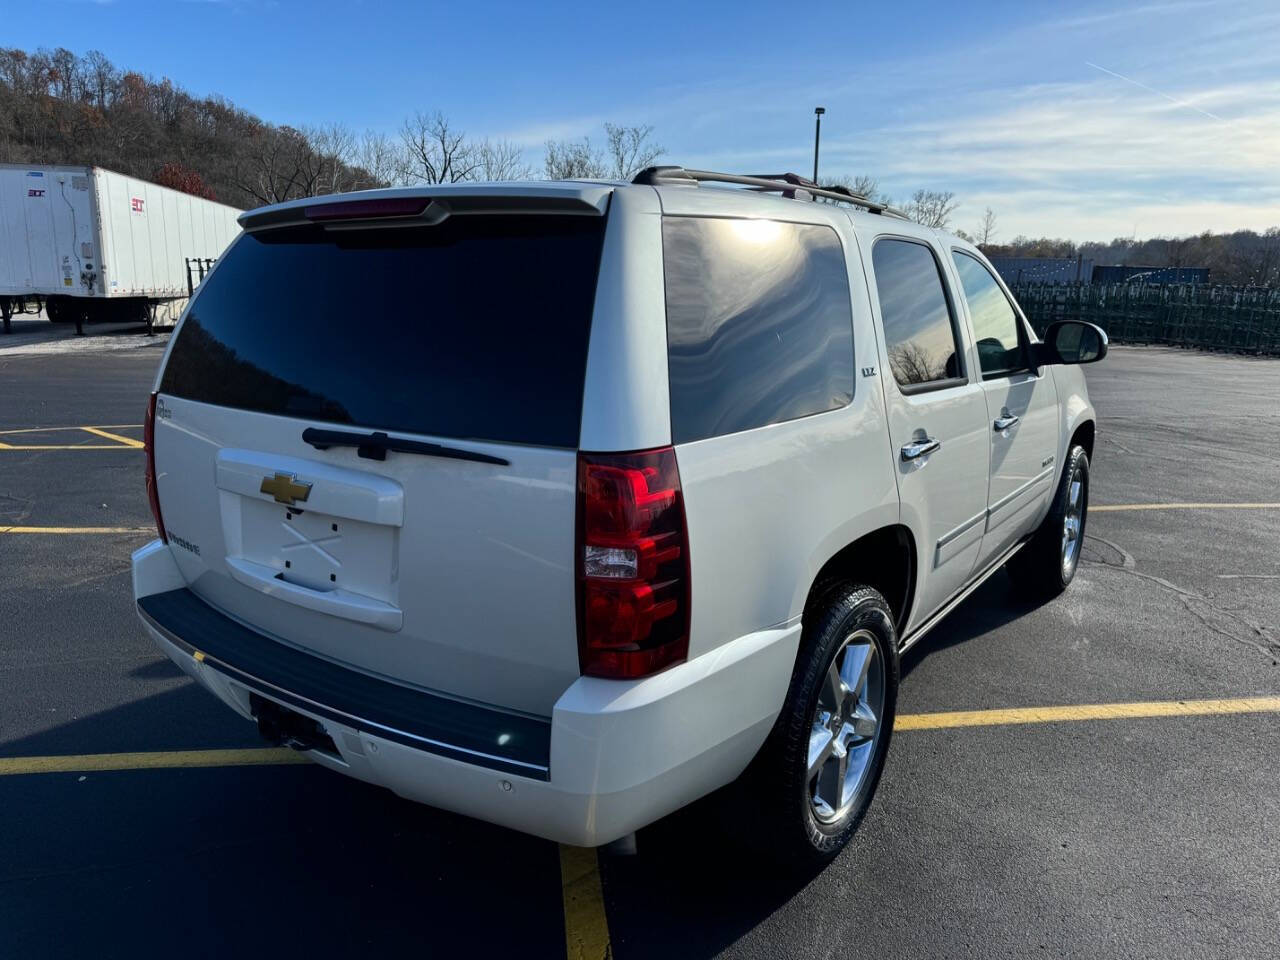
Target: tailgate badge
point(286, 488)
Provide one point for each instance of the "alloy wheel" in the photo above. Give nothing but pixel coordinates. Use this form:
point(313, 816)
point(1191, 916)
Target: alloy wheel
point(846, 727)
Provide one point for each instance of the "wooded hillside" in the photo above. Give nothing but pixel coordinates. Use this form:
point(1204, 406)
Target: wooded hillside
point(56, 107)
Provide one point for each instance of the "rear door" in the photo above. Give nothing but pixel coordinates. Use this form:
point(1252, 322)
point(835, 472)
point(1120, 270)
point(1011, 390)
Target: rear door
point(47, 223)
point(1021, 408)
point(937, 415)
point(366, 444)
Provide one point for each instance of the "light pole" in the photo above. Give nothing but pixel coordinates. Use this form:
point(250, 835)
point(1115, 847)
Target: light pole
point(817, 132)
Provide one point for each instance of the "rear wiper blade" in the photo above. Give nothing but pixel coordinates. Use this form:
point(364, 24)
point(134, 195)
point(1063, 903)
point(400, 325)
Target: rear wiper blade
point(374, 446)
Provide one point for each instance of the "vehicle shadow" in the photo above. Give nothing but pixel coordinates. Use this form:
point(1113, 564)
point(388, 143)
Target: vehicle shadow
point(699, 881)
point(290, 860)
point(988, 608)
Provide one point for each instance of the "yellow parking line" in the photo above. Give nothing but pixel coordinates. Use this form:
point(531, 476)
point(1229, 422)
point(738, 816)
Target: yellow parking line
point(574, 861)
point(127, 441)
point(120, 442)
point(1104, 508)
point(100, 426)
point(1087, 711)
point(152, 760)
point(68, 446)
point(586, 928)
point(76, 530)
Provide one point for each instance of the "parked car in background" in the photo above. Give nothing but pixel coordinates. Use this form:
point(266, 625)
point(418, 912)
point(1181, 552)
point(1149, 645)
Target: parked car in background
point(616, 493)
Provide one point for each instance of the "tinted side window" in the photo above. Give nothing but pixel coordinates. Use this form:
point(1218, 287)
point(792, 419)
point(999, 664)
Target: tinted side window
point(995, 324)
point(919, 334)
point(759, 326)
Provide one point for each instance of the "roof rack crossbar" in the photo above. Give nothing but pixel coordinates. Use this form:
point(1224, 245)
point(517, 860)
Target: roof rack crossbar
point(788, 184)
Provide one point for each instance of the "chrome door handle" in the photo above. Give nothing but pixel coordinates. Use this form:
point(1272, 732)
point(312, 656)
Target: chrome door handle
point(918, 448)
point(1004, 423)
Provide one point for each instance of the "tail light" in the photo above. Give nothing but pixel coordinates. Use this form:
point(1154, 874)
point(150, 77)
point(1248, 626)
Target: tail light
point(368, 209)
point(633, 564)
point(149, 442)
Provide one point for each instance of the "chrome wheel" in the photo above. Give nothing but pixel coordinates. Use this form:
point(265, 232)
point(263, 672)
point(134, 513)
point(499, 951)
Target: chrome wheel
point(1073, 523)
point(846, 727)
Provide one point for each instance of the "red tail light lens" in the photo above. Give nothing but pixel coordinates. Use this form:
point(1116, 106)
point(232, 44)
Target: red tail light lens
point(149, 442)
point(368, 209)
point(633, 564)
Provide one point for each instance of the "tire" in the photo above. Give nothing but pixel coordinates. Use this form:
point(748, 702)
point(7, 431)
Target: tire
point(1048, 563)
point(55, 308)
point(849, 624)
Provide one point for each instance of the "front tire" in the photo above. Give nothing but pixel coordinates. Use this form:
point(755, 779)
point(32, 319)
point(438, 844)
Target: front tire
point(819, 769)
point(1047, 564)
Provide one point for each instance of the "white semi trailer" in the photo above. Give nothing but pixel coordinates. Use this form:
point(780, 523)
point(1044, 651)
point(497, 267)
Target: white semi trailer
point(89, 244)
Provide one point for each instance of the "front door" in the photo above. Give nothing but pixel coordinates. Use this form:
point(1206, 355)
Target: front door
point(937, 418)
point(1021, 406)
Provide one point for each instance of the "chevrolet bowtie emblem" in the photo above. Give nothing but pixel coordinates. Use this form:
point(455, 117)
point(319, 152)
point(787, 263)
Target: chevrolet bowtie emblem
point(285, 488)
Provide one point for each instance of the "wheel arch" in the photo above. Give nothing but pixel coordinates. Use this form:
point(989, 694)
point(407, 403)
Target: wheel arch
point(884, 559)
point(1084, 435)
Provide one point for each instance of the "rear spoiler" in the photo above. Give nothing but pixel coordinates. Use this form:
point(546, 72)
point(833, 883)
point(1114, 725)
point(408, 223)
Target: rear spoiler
point(426, 206)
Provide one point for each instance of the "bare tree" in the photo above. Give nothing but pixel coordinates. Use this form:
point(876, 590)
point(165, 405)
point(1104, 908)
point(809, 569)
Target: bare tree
point(626, 152)
point(630, 149)
point(867, 186)
point(62, 73)
point(574, 160)
point(380, 159)
point(102, 78)
point(911, 364)
point(862, 185)
point(501, 160)
point(277, 164)
point(333, 148)
point(987, 228)
point(435, 152)
point(933, 208)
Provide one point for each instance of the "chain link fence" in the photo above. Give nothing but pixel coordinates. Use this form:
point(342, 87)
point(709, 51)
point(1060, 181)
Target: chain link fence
point(1204, 316)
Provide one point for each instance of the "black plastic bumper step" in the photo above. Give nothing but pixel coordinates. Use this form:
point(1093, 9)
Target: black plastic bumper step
point(430, 722)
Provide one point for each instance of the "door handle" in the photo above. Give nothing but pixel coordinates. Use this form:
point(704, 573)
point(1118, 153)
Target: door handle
point(1005, 422)
point(918, 448)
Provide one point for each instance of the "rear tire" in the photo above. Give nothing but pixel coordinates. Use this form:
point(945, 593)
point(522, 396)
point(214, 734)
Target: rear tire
point(56, 309)
point(814, 778)
point(1047, 564)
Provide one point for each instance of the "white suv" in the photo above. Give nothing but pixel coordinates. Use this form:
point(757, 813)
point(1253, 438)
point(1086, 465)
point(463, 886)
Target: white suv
point(564, 504)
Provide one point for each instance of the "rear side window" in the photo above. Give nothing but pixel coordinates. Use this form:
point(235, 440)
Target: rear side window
point(995, 325)
point(759, 324)
point(474, 328)
point(919, 332)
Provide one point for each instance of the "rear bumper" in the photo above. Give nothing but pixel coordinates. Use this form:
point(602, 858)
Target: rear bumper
point(613, 757)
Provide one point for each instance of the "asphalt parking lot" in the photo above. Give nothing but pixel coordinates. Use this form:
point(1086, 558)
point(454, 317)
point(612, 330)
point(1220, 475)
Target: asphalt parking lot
point(1051, 833)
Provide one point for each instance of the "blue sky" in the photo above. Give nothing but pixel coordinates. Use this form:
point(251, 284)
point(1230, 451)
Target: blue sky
point(1086, 120)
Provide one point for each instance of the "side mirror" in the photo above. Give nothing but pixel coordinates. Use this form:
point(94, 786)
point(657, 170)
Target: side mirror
point(1073, 341)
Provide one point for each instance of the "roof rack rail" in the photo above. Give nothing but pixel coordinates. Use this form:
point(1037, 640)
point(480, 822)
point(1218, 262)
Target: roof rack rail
point(788, 184)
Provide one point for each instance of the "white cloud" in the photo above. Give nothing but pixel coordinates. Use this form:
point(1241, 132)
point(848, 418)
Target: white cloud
point(1184, 137)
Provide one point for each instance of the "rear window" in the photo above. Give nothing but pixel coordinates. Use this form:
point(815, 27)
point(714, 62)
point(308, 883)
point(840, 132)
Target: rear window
point(759, 325)
point(475, 328)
